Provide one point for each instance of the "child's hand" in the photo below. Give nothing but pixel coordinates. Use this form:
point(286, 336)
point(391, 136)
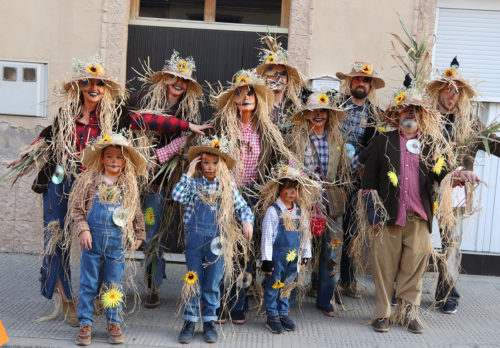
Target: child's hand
point(192, 166)
point(85, 240)
point(267, 267)
point(248, 230)
point(136, 245)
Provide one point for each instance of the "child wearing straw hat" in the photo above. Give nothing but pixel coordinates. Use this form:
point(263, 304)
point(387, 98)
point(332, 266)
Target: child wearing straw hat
point(213, 237)
point(107, 218)
point(287, 199)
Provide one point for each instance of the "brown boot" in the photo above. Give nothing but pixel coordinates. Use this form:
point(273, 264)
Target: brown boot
point(115, 335)
point(70, 313)
point(152, 300)
point(84, 336)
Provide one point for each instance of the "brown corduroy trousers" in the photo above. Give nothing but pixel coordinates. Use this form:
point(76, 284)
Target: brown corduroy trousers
point(400, 254)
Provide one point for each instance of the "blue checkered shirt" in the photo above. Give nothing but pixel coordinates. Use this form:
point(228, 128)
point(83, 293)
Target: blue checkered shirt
point(187, 189)
point(354, 125)
point(310, 160)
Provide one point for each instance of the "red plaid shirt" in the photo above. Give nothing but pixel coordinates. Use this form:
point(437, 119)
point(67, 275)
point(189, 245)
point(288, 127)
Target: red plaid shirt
point(165, 153)
point(158, 123)
point(86, 132)
point(249, 145)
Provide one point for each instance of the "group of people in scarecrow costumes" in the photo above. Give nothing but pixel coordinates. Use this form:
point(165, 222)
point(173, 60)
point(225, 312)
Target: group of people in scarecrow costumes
point(281, 193)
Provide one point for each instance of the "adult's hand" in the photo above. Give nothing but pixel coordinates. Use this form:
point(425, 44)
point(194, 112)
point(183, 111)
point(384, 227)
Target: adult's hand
point(199, 128)
point(15, 162)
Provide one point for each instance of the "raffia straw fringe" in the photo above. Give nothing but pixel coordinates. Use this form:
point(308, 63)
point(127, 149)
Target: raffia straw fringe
point(56, 311)
point(55, 239)
point(405, 313)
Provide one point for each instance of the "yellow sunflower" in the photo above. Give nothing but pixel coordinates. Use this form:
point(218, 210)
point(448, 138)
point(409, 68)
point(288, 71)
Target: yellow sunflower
point(393, 178)
point(94, 69)
point(182, 66)
point(449, 73)
point(382, 129)
point(438, 168)
point(400, 97)
point(216, 144)
point(112, 297)
point(367, 69)
point(270, 59)
point(292, 254)
point(149, 216)
point(278, 284)
point(323, 99)
point(191, 277)
point(435, 207)
point(241, 79)
point(105, 139)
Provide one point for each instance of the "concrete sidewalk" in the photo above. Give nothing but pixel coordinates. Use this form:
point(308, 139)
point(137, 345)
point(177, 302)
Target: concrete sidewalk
point(476, 324)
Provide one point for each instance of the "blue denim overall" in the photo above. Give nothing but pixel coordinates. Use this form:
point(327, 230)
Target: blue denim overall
point(200, 230)
point(284, 271)
point(56, 266)
point(107, 253)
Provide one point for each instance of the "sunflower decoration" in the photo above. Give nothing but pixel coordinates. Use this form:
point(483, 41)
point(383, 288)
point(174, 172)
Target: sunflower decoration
point(381, 129)
point(435, 207)
point(112, 298)
point(149, 216)
point(105, 139)
point(450, 73)
point(393, 178)
point(182, 66)
point(283, 170)
point(190, 289)
point(191, 277)
point(94, 69)
point(242, 79)
point(367, 69)
point(270, 59)
point(278, 284)
point(291, 255)
point(216, 144)
point(438, 167)
point(399, 98)
point(323, 99)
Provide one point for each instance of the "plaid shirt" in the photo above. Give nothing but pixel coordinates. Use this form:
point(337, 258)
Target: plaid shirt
point(187, 189)
point(86, 132)
point(165, 153)
point(249, 145)
point(310, 159)
point(157, 123)
point(354, 125)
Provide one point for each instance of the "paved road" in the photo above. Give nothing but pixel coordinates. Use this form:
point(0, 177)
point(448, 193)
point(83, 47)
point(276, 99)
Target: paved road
point(477, 323)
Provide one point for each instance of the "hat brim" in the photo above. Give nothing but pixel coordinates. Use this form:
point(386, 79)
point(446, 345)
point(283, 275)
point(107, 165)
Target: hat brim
point(293, 72)
point(114, 86)
point(93, 152)
point(436, 85)
point(195, 151)
point(264, 94)
point(377, 81)
point(194, 85)
point(333, 113)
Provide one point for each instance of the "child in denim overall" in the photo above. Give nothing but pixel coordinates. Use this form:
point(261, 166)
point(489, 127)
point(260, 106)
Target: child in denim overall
point(107, 188)
point(285, 234)
point(202, 221)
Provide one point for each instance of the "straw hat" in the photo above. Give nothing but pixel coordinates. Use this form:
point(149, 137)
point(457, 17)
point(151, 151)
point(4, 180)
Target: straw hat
point(451, 76)
point(273, 56)
point(178, 67)
point(363, 69)
point(92, 152)
point(219, 146)
point(318, 101)
point(92, 69)
point(283, 171)
point(251, 79)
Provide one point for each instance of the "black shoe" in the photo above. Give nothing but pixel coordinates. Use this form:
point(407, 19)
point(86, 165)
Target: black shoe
point(381, 324)
point(415, 327)
point(287, 323)
point(187, 332)
point(274, 324)
point(238, 317)
point(449, 307)
point(210, 332)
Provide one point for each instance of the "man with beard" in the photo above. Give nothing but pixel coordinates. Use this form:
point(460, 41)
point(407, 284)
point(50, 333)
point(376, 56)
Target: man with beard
point(453, 97)
point(359, 87)
point(398, 179)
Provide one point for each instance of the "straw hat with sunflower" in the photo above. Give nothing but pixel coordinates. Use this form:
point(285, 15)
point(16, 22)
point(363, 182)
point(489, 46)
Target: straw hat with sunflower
point(219, 146)
point(363, 69)
point(451, 76)
point(318, 101)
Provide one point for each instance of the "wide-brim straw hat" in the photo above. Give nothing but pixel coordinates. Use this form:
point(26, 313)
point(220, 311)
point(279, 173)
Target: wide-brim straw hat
point(282, 172)
point(195, 151)
point(318, 101)
point(363, 69)
point(92, 152)
point(434, 86)
point(247, 78)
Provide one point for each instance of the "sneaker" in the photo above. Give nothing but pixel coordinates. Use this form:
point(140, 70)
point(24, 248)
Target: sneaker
point(329, 311)
point(273, 323)
point(84, 336)
point(187, 332)
point(238, 317)
point(115, 335)
point(221, 316)
point(350, 289)
point(381, 324)
point(287, 323)
point(210, 332)
point(152, 300)
point(415, 327)
point(449, 307)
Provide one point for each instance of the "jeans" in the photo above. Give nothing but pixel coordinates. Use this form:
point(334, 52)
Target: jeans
point(200, 230)
point(106, 256)
point(57, 265)
point(350, 227)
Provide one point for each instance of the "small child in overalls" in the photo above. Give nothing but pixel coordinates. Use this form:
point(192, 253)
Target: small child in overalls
point(285, 236)
point(107, 218)
point(204, 221)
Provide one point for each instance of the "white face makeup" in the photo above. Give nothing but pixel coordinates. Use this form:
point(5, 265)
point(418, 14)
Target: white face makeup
point(408, 118)
point(245, 98)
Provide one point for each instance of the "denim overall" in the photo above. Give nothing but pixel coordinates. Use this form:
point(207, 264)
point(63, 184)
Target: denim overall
point(107, 253)
point(284, 271)
point(56, 266)
point(200, 230)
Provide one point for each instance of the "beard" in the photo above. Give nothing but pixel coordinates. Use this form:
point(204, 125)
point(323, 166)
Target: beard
point(359, 92)
point(409, 123)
